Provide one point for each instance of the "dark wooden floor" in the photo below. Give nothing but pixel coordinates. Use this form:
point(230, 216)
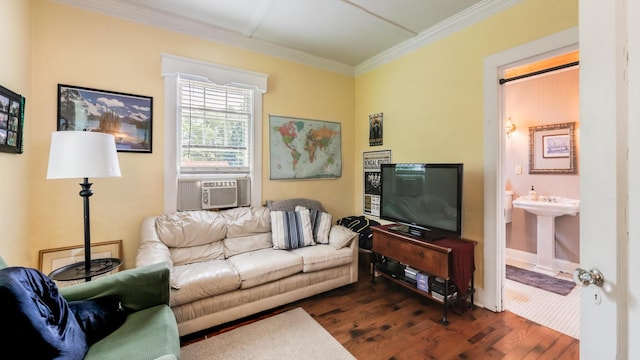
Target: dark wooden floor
point(382, 320)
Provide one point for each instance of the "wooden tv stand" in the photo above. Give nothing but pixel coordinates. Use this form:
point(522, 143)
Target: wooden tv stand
point(437, 258)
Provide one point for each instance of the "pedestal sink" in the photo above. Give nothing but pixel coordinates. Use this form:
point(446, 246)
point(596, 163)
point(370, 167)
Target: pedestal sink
point(546, 209)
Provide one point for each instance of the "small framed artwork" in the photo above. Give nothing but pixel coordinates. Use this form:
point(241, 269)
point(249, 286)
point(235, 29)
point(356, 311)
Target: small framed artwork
point(375, 129)
point(52, 259)
point(127, 117)
point(556, 146)
point(552, 149)
point(11, 121)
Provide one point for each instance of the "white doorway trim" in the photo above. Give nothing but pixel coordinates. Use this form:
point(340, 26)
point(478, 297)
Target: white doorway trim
point(494, 145)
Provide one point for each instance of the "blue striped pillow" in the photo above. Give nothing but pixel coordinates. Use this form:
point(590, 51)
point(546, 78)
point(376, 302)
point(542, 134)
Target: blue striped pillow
point(320, 223)
point(291, 229)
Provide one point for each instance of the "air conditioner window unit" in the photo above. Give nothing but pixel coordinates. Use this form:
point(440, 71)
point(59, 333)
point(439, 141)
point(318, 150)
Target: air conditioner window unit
point(213, 193)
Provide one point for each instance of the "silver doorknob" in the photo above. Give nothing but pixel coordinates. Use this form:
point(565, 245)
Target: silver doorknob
point(586, 278)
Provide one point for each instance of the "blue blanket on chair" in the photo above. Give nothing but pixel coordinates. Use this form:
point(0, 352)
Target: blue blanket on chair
point(34, 313)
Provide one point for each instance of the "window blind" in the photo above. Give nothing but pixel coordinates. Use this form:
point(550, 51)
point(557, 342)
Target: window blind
point(215, 127)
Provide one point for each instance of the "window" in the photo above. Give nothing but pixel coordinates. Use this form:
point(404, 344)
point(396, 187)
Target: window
point(215, 128)
point(213, 125)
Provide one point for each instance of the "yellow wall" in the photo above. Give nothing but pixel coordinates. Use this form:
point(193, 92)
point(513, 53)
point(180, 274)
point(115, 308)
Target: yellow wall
point(432, 99)
point(15, 75)
point(76, 47)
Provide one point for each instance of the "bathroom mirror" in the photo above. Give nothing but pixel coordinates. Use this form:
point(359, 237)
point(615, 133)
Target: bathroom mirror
point(552, 149)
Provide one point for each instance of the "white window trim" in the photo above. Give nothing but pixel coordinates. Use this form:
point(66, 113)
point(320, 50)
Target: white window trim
point(172, 66)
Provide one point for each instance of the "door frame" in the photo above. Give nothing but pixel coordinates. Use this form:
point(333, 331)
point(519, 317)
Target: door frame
point(494, 148)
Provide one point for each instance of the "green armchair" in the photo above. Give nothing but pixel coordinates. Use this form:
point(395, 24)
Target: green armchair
point(150, 331)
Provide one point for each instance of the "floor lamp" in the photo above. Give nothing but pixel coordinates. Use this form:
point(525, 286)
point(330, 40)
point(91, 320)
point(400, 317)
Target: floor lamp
point(83, 154)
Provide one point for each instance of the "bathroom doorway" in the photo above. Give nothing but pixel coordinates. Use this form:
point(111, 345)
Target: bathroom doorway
point(534, 95)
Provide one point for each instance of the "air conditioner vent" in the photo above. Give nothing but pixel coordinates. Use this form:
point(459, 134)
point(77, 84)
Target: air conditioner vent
point(219, 194)
point(213, 193)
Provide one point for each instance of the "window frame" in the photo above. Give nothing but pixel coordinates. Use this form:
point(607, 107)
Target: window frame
point(174, 67)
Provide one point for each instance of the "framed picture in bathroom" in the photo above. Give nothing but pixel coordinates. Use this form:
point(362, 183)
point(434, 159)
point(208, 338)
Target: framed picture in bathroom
point(556, 146)
point(552, 149)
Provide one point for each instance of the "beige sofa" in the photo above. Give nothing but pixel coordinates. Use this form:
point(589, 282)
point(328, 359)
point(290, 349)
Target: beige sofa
point(224, 265)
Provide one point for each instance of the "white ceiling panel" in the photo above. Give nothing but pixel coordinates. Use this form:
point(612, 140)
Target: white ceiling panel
point(330, 29)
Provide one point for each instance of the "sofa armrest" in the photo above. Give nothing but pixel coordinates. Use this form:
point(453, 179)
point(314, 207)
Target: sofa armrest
point(138, 288)
point(151, 250)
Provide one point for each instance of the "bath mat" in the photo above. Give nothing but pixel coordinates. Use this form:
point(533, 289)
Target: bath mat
point(540, 281)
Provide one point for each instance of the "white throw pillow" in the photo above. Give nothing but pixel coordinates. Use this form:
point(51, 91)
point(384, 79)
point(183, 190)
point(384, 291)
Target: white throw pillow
point(340, 236)
point(291, 229)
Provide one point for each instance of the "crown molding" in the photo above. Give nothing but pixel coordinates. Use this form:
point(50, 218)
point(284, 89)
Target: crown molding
point(180, 24)
point(202, 30)
point(461, 20)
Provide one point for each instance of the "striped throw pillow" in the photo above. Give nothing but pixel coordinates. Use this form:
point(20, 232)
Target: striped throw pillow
point(320, 223)
point(291, 229)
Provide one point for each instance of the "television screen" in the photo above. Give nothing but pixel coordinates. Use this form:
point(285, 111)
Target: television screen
point(426, 199)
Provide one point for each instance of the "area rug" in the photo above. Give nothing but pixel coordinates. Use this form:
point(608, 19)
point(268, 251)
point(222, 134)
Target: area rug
point(290, 335)
point(540, 281)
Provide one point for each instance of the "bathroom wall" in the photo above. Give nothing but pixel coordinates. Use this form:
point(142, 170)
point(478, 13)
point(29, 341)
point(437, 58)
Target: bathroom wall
point(541, 100)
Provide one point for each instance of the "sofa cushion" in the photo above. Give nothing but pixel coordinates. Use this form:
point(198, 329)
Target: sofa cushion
point(320, 223)
point(191, 228)
point(34, 313)
point(238, 245)
point(245, 221)
point(340, 236)
point(291, 229)
point(199, 253)
point(266, 265)
point(200, 280)
point(321, 257)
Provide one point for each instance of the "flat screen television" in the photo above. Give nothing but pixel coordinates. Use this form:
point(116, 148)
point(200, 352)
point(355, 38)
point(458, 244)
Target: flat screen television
point(425, 200)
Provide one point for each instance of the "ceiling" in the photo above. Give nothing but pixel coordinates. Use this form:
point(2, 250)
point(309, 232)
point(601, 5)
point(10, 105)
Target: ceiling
point(344, 33)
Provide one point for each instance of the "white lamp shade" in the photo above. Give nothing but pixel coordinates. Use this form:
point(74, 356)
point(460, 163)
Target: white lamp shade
point(82, 154)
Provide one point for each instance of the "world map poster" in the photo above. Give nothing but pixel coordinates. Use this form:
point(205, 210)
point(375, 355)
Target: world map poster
point(304, 149)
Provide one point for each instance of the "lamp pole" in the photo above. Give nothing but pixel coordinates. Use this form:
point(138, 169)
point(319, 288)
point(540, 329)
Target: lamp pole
point(85, 193)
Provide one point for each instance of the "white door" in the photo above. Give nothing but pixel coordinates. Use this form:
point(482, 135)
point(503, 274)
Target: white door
point(609, 146)
point(609, 166)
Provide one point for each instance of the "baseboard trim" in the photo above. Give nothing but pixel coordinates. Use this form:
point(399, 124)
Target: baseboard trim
point(564, 266)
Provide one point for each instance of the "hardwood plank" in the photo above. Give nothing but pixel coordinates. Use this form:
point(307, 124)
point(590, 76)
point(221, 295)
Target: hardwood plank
point(382, 320)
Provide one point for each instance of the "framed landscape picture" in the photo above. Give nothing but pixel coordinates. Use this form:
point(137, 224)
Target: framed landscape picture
point(11, 121)
point(127, 117)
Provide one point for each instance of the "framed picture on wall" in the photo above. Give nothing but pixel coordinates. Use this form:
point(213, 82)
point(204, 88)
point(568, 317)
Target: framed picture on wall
point(556, 146)
point(552, 149)
point(11, 121)
point(127, 117)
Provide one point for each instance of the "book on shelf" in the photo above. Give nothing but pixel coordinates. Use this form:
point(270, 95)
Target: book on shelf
point(410, 272)
point(438, 286)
